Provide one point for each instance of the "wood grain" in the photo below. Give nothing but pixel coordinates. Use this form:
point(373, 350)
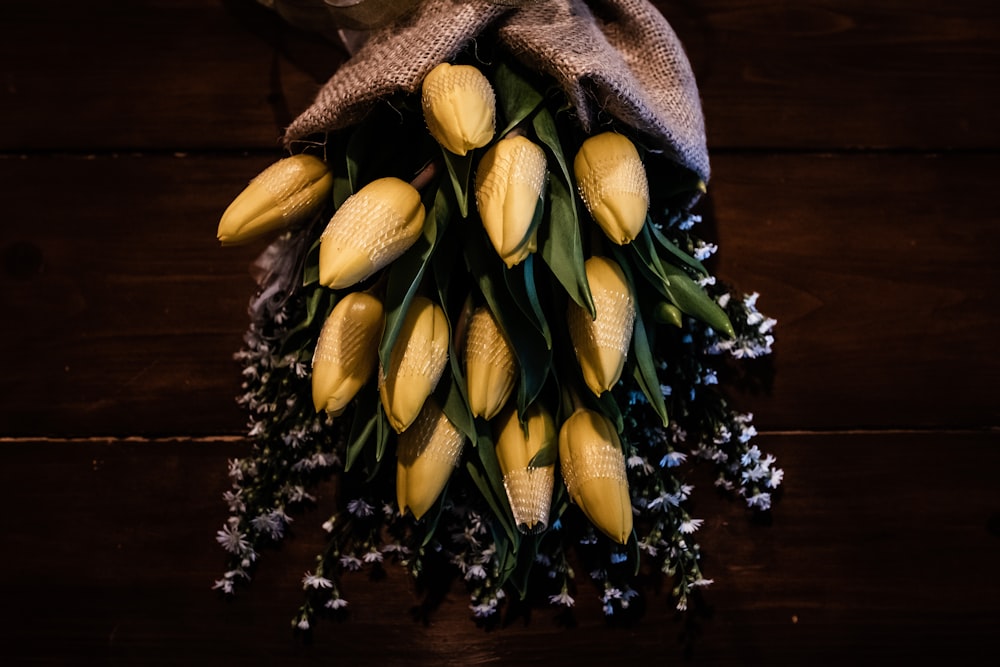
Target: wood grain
point(124, 309)
point(855, 151)
point(229, 75)
point(881, 271)
point(153, 75)
point(110, 558)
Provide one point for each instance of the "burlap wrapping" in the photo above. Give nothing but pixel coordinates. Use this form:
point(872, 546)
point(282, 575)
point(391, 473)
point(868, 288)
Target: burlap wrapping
point(613, 58)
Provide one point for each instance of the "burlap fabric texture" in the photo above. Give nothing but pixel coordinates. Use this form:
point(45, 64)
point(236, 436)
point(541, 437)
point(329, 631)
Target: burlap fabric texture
point(613, 58)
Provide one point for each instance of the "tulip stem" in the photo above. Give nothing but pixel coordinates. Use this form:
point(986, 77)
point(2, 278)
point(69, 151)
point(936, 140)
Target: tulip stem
point(426, 175)
point(572, 401)
point(516, 131)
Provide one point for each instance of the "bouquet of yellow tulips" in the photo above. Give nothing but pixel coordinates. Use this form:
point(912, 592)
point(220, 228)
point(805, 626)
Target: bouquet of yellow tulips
point(492, 322)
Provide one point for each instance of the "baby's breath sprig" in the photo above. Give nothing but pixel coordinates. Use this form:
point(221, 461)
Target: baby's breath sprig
point(293, 446)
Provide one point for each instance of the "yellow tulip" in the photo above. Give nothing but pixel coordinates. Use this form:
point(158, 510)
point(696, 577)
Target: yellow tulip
point(459, 107)
point(593, 468)
point(601, 344)
point(289, 191)
point(416, 362)
point(369, 231)
point(490, 366)
point(529, 490)
point(425, 457)
point(346, 351)
point(613, 185)
point(509, 184)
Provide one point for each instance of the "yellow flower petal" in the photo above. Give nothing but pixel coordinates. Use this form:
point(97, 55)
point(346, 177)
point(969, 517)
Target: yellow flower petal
point(369, 231)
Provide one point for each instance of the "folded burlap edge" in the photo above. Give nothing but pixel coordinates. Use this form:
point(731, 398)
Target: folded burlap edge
point(614, 59)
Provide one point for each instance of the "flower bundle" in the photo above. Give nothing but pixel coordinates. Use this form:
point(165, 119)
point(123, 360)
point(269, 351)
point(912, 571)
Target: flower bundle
point(491, 321)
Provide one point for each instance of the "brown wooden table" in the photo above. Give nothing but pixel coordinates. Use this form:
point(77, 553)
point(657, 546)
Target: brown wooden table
point(856, 156)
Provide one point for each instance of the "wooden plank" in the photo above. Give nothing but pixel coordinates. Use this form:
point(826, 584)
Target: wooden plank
point(124, 311)
point(854, 73)
point(881, 271)
point(109, 556)
point(153, 75)
point(230, 75)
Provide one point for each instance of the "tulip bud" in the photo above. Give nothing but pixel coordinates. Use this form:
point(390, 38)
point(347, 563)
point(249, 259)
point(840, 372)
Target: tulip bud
point(418, 358)
point(529, 490)
point(459, 107)
point(346, 351)
point(490, 365)
point(613, 185)
point(601, 344)
point(425, 456)
point(289, 191)
point(509, 184)
point(369, 231)
point(593, 468)
point(668, 313)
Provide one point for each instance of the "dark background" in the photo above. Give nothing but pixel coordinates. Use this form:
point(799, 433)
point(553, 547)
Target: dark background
point(856, 158)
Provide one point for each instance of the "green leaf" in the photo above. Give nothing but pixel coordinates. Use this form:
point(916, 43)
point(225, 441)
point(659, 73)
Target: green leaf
point(534, 357)
point(382, 433)
point(645, 367)
point(608, 405)
point(645, 370)
point(505, 555)
point(560, 501)
point(546, 456)
point(494, 476)
point(341, 168)
point(668, 245)
point(363, 425)
point(481, 482)
point(341, 190)
point(318, 304)
point(406, 273)
point(433, 516)
point(633, 552)
point(560, 242)
point(544, 124)
point(673, 283)
point(310, 270)
point(455, 405)
point(460, 171)
point(526, 554)
point(643, 248)
point(374, 454)
point(691, 298)
point(517, 96)
point(520, 281)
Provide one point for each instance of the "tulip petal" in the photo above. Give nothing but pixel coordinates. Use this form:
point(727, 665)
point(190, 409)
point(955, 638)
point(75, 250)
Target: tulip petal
point(613, 185)
point(425, 458)
point(601, 344)
point(346, 353)
point(593, 469)
point(459, 107)
point(490, 365)
point(287, 192)
point(529, 489)
point(373, 228)
point(509, 183)
point(416, 363)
